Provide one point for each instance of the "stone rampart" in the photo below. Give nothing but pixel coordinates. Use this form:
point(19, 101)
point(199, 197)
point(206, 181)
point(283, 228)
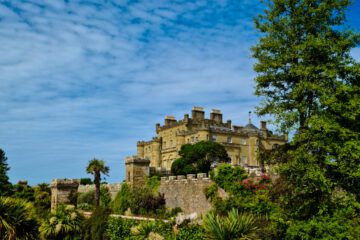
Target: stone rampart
point(113, 188)
point(186, 192)
point(64, 191)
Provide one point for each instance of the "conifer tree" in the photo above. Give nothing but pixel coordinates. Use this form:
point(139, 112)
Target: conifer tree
point(5, 185)
point(310, 84)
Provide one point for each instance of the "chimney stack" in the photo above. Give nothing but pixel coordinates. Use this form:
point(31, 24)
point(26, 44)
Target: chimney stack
point(216, 116)
point(263, 125)
point(170, 121)
point(198, 113)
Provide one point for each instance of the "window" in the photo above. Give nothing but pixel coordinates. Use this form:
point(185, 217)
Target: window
point(244, 160)
point(213, 138)
point(275, 146)
point(243, 141)
point(192, 139)
point(196, 139)
point(229, 139)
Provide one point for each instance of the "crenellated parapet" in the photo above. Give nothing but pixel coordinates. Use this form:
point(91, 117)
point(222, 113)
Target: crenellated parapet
point(188, 177)
point(186, 192)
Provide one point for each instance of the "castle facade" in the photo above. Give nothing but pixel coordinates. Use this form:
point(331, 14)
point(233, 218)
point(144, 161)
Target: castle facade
point(241, 142)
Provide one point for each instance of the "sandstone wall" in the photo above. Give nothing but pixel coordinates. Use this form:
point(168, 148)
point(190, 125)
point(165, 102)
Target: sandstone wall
point(113, 188)
point(64, 191)
point(186, 192)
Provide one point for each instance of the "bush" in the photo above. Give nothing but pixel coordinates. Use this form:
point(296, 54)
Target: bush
point(141, 200)
point(64, 223)
point(122, 200)
point(191, 232)
point(119, 229)
point(95, 227)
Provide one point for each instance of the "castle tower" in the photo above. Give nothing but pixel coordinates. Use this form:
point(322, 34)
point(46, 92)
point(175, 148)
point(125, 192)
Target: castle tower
point(137, 169)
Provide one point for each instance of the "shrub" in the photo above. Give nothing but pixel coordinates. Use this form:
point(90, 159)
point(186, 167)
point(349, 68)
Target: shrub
point(64, 223)
point(95, 227)
point(122, 200)
point(119, 229)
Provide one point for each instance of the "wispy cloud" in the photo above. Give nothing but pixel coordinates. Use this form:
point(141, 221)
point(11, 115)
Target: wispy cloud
point(83, 79)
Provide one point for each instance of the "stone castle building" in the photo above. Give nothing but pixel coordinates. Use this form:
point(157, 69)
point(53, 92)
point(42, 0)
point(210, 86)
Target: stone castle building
point(241, 142)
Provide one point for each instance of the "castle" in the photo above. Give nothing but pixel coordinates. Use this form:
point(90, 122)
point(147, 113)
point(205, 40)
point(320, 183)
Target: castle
point(241, 142)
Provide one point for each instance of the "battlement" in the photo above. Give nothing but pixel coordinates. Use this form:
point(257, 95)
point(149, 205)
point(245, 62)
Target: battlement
point(191, 177)
point(135, 159)
point(186, 192)
point(63, 182)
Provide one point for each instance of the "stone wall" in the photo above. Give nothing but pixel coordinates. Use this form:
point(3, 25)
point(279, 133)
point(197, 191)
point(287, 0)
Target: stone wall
point(64, 191)
point(186, 192)
point(113, 188)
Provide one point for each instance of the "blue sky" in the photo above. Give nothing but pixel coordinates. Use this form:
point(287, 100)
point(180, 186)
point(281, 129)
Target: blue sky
point(85, 79)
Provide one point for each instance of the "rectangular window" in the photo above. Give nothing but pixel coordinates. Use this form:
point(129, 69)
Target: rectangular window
point(213, 138)
point(243, 141)
point(244, 160)
point(229, 139)
point(196, 139)
point(192, 139)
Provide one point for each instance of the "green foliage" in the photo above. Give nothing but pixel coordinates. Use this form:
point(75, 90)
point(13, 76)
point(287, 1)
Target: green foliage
point(228, 177)
point(141, 200)
point(153, 183)
point(86, 200)
point(310, 85)
point(119, 229)
point(86, 181)
point(17, 219)
point(234, 226)
point(145, 202)
point(97, 167)
point(95, 227)
point(123, 199)
point(191, 232)
point(42, 199)
point(23, 192)
point(199, 157)
point(5, 185)
point(65, 223)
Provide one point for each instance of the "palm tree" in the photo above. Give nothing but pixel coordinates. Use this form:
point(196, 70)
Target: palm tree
point(96, 167)
point(64, 223)
point(17, 219)
point(234, 226)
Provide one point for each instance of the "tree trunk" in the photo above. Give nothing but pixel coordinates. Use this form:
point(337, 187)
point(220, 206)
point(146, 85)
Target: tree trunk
point(97, 189)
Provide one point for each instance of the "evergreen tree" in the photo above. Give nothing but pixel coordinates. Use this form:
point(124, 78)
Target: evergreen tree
point(310, 84)
point(5, 185)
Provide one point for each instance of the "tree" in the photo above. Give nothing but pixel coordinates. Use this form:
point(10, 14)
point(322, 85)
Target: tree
point(17, 219)
point(310, 84)
point(199, 157)
point(5, 185)
point(96, 167)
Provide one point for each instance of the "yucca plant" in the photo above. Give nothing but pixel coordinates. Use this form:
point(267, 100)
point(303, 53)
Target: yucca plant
point(233, 226)
point(65, 223)
point(143, 230)
point(17, 219)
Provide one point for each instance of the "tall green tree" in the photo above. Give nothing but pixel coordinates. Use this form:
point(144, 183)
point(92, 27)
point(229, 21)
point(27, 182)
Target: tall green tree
point(5, 185)
point(310, 84)
point(97, 167)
